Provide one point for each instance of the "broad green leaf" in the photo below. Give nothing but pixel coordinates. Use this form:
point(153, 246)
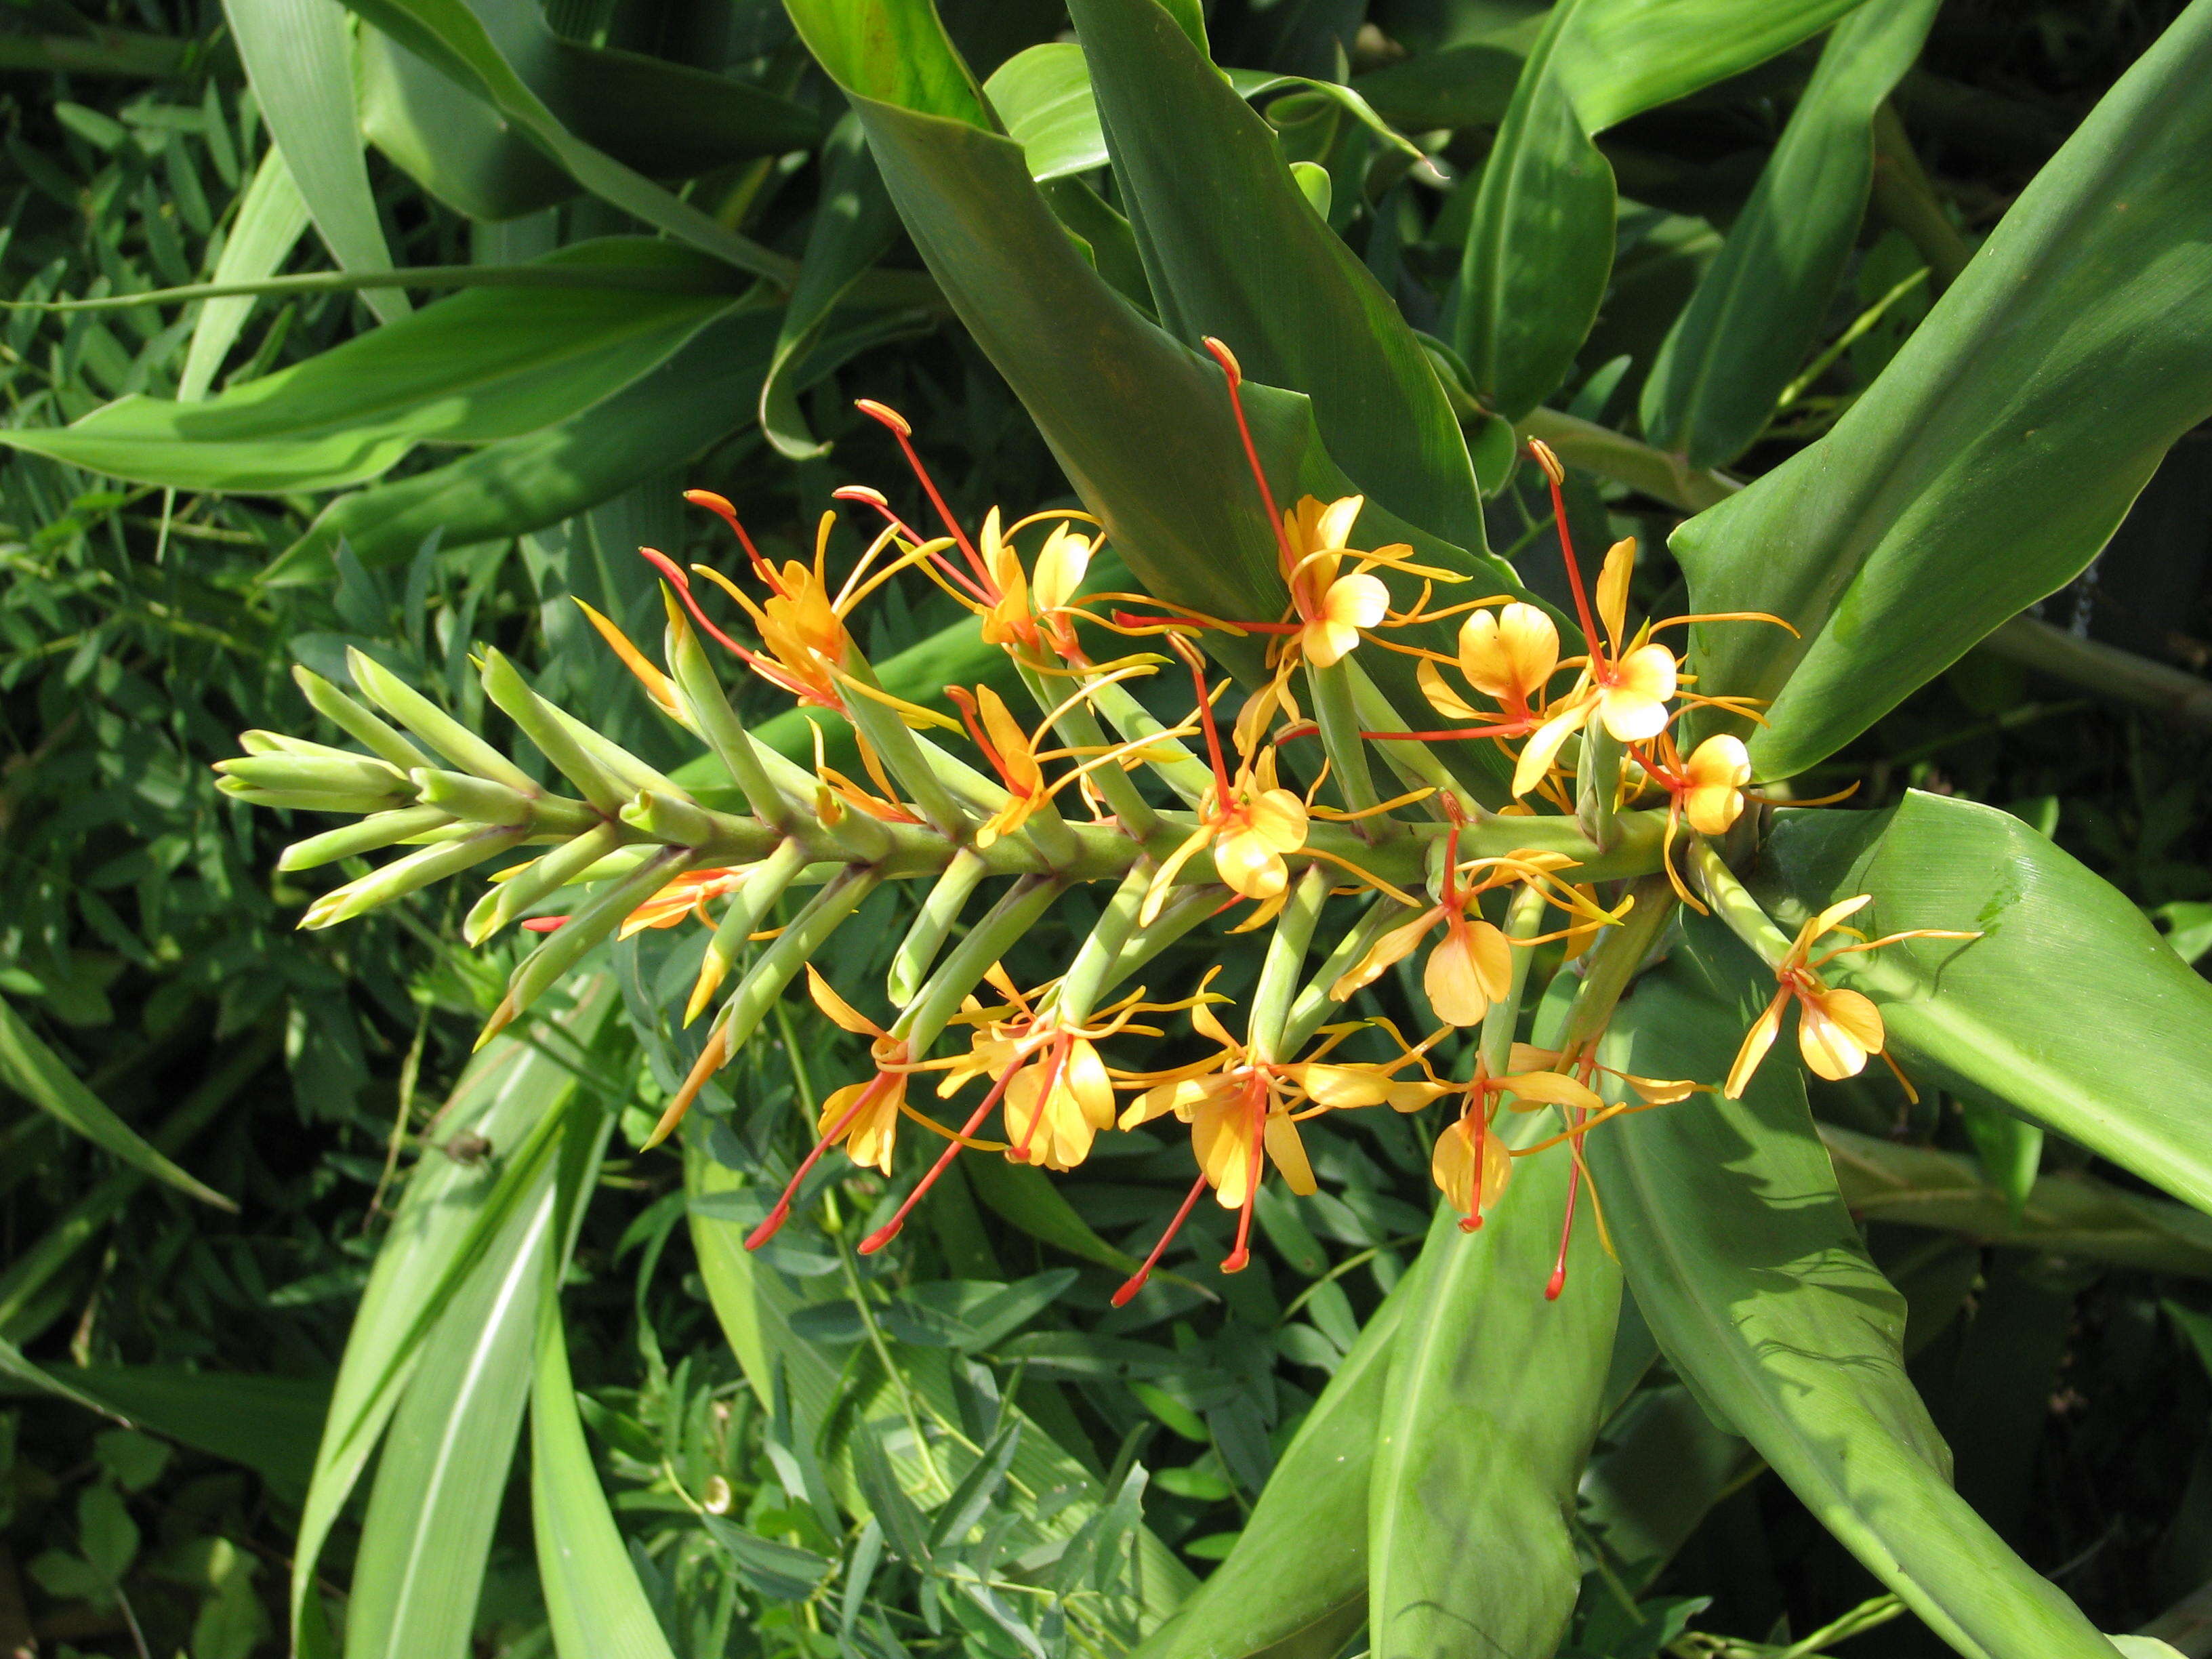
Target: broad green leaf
point(1468, 83)
point(1539, 245)
point(854, 225)
point(15, 1363)
point(894, 51)
point(2065, 1213)
point(1761, 306)
point(2001, 446)
point(31, 1069)
point(1233, 250)
point(525, 483)
point(1493, 1405)
point(452, 39)
point(299, 59)
point(1295, 1584)
point(1024, 1195)
point(597, 1607)
point(512, 1096)
point(442, 1474)
point(483, 364)
point(2010, 1150)
point(2069, 1008)
point(1043, 96)
point(270, 216)
point(756, 1305)
point(1745, 1263)
point(666, 119)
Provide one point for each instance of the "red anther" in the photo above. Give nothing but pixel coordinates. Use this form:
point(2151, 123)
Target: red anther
point(1302, 729)
point(1120, 1297)
point(868, 492)
point(890, 416)
point(542, 924)
point(1471, 1224)
point(719, 506)
point(1237, 1259)
point(1558, 1282)
point(669, 570)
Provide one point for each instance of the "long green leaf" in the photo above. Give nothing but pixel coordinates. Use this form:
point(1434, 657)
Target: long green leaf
point(665, 120)
point(2001, 446)
point(525, 483)
point(266, 227)
point(1539, 245)
point(597, 1607)
point(35, 1072)
point(299, 59)
point(855, 224)
point(1759, 306)
point(442, 1474)
point(266, 1422)
point(2069, 1008)
point(2065, 1213)
point(451, 1213)
point(448, 35)
point(483, 364)
point(1233, 249)
point(1494, 1403)
point(1295, 1583)
point(1745, 1264)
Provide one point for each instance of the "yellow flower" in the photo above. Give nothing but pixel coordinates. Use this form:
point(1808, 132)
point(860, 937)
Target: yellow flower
point(1468, 1144)
point(1836, 1027)
point(1250, 821)
point(862, 1116)
point(1332, 608)
point(1713, 779)
point(1510, 653)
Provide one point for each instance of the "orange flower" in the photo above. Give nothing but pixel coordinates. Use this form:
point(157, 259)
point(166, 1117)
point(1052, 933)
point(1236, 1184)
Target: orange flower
point(1836, 1027)
point(686, 895)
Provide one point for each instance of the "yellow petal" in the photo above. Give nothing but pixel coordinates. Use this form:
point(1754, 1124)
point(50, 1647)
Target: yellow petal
point(1712, 808)
point(1288, 1153)
point(1278, 817)
point(1334, 528)
point(1391, 948)
point(1249, 866)
point(1634, 707)
point(840, 1011)
point(1538, 753)
point(1837, 1030)
point(1613, 588)
point(1510, 653)
point(1552, 1089)
point(1442, 697)
point(1756, 1042)
point(1222, 1137)
point(1060, 566)
point(1454, 983)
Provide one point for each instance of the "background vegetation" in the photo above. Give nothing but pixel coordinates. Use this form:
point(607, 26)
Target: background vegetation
point(149, 962)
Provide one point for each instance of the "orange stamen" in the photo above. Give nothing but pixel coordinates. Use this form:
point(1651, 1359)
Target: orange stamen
point(1120, 1297)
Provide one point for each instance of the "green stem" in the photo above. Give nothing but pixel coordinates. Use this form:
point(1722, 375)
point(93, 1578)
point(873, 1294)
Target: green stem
point(1332, 710)
point(1279, 970)
point(947, 896)
point(1734, 905)
point(1524, 919)
point(1619, 951)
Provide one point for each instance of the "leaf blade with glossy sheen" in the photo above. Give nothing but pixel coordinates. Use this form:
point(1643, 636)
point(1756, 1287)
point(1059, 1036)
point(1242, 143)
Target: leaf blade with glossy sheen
point(1233, 250)
point(1493, 1406)
point(1539, 244)
point(2001, 446)
point(2070, 1008)
point(1759, 306)
point(1747, 1266)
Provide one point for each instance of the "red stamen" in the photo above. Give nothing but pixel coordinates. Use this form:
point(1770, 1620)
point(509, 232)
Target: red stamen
point(670, 570)
point(1241, 1256)
point(883, 1234)
point(1558, 1282)
point(542, 924)
point(1061, 1045)
point(1230, 367)
point(1120, 1297)
point(966, 704)
point(1302, 729)
point(781, 1212)
point(721, 508)
point(899, 429)
point(1575, 578)
point(1204, 713)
